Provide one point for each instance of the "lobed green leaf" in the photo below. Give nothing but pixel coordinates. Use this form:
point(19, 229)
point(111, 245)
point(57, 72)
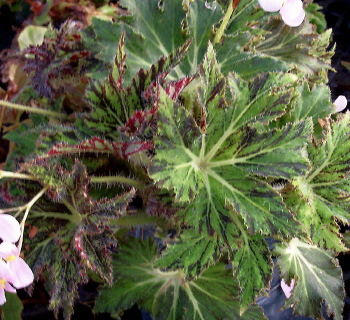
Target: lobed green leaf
point(318, 278)
point(225, 165)
point(321, 198)
point(167, 294)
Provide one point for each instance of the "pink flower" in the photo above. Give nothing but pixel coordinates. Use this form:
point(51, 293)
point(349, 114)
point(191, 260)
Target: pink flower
point(291, 11)
point(4, 284)
point(271, 5)
point(341, 102)
point(10, 229)
point(287, 289)
point(18, 274)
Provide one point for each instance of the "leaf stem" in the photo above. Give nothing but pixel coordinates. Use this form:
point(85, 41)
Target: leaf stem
point(76, 216)
point(56, 215)
point(225, 20)
point(16, 175)
point(21, 107)
point(27, 208)
point(117, 179)
point(139, 219)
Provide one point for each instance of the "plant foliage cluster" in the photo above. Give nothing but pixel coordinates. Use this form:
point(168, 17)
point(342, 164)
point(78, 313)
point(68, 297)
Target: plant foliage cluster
point(151, 121)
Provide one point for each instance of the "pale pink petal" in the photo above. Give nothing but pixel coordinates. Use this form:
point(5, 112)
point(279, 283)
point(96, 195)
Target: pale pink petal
point(7, 250)
point(291, 9)
point(341, 102)
point(10, 229)
point(287, 289)
point(3, 269)
point(9, 288)
point(4, 285)
point(2, 295)
point(4, 276)
point(294, 22)
point(3, 288)
point(271, 5)
point(20, 274)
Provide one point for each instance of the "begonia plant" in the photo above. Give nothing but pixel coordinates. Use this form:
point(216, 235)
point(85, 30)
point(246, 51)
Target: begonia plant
point(156, 147)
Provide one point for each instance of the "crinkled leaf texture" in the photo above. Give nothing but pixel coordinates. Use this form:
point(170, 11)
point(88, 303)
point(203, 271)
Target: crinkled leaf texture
point(167, 294)
point(321, 198)
point(121, 150)
point(318, 278)
point(64, 274)
point(226, 161)
point(149, 37)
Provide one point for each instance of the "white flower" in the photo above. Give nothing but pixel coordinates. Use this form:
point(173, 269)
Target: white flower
point(291, 11)
point(340, 103)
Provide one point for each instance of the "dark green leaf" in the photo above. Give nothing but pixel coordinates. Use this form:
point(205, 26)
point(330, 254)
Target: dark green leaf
point(12, 309)
point(166, 26)
point(192, 252)
point(280, 48)
point(166, 294)
point(252, 265)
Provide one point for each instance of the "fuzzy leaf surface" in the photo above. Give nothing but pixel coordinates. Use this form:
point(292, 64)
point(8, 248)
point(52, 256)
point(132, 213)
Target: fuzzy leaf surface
point(166, 294)
point(121, 150)
point(80, 238)
point(318, 278)
point(64, 276)
point(322, 197)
